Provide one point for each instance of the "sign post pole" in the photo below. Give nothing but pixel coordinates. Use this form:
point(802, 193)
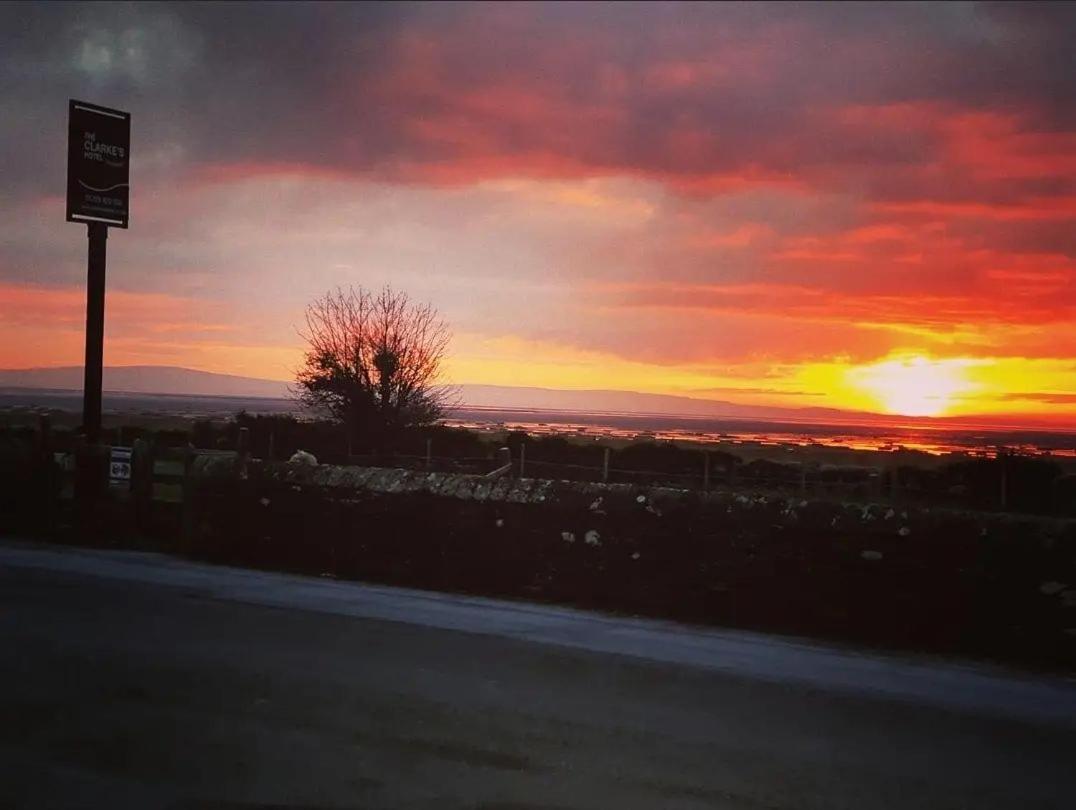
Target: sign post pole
point(97, 236)
point(98, 194)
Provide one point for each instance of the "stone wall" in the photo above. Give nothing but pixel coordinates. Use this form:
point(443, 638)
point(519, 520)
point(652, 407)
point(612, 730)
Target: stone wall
point(935, 580)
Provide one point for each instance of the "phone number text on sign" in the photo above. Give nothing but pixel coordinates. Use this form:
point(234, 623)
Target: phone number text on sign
point(119, 468)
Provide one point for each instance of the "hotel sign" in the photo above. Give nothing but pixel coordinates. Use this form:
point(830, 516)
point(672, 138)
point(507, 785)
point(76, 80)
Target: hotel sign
point(98, 164)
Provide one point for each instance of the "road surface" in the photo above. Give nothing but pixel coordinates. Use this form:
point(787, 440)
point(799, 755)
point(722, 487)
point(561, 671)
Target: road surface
point(133, 680)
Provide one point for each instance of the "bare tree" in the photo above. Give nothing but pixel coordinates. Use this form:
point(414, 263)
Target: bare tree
point(373, 361)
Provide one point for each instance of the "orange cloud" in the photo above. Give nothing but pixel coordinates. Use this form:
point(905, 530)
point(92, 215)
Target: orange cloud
point(45, 326)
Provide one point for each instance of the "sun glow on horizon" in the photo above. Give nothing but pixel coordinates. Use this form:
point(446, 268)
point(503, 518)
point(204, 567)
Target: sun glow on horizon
point(915, 385)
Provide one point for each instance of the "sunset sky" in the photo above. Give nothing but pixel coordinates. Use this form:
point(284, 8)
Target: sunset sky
point(859, 206)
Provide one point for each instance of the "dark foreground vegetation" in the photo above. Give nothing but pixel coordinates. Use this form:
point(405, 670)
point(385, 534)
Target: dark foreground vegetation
point(954, 581)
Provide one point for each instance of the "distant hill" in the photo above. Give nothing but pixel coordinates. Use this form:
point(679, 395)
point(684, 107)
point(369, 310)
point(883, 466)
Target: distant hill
point(147, 380)
point(172, 380)
point(512, 397)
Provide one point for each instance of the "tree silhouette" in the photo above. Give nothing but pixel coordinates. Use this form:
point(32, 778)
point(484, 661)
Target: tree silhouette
point(373, 362)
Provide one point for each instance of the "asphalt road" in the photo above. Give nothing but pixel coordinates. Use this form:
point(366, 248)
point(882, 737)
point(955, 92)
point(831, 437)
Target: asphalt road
point(135, 681)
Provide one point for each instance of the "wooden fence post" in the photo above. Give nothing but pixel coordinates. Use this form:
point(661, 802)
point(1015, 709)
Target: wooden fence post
point(141, 481)
point(244, 450)
point(186, 507)
point(44, 436)
point(272, 446)
point(706, 470)
point(46, 473)
point(605, 466)
point(1004, 480)
point(522, 459)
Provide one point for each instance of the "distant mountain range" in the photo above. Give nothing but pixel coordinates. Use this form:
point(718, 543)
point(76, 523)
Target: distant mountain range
point(146, 380)
point(172, 380)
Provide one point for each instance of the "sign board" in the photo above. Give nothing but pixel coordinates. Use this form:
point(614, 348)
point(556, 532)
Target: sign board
point(119, 467)
point(98, 164)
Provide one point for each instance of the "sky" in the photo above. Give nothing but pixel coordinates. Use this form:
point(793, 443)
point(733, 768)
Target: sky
point(867, 207)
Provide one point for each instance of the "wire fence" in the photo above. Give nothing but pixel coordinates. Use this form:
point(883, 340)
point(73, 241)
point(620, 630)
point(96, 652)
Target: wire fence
point(999, 489)
point(687, 469)
point(716, 479)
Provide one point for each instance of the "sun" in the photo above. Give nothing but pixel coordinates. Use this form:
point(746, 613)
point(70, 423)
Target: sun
point(914, 385)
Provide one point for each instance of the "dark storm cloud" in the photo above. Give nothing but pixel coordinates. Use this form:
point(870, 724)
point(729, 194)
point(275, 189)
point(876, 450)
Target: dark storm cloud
point(691, 94)
point(205, 82)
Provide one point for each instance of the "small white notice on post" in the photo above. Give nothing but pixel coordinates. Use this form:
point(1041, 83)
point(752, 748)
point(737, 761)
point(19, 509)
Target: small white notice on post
point(119, 467)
